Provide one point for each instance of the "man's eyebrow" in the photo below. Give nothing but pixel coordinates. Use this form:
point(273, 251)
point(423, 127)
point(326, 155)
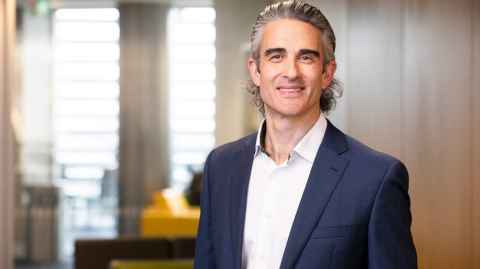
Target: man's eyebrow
point(309, 51)
point(274, 50)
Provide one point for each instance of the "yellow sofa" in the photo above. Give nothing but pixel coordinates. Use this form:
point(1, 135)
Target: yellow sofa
point(170, 215)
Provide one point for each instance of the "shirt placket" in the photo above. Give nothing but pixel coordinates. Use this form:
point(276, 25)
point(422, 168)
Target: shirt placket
point(264, 235)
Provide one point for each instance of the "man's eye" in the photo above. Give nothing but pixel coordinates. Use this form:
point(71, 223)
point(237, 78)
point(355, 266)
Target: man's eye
point(306, 58)
point(275, 58)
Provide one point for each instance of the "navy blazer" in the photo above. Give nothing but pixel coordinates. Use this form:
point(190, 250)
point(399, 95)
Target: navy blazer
point(354, 212)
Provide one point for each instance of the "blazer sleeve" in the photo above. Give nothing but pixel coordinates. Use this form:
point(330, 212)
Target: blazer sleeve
point(390, 243)
point(204, 249)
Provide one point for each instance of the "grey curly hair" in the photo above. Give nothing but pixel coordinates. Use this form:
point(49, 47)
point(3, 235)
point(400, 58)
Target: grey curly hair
point(298, 10)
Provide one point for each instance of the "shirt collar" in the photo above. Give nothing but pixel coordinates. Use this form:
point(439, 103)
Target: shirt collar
point(307, 147)
point(260, 142)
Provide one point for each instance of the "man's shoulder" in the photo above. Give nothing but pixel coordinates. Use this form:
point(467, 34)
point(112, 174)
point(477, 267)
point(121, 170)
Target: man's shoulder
point(232, 149)
point(353, 148)
point(369, 156)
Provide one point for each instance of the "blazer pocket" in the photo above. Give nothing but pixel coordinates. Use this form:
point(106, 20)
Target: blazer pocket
point(332, 231)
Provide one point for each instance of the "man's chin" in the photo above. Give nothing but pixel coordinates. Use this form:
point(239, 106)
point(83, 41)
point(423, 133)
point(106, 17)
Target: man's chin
point(286, 112)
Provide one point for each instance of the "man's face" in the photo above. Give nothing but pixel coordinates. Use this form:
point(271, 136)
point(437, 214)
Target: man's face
point(290, 70)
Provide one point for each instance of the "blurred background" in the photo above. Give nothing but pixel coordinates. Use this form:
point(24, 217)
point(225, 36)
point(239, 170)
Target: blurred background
point(109, 108)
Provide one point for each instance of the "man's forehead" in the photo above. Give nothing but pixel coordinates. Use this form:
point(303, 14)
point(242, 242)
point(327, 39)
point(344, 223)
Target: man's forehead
point(290, 34)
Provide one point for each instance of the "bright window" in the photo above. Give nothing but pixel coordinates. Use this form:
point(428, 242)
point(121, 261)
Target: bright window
point(192, 90)
point(86, 119)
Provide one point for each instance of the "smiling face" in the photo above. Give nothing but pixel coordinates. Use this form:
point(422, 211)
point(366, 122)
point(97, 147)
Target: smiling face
point(290, 71)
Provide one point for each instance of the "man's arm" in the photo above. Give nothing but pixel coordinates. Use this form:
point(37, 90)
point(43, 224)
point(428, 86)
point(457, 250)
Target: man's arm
point(204, 250)
point(390, 243)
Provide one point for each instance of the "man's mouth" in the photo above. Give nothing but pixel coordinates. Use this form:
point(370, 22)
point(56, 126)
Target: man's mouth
point(290, 89)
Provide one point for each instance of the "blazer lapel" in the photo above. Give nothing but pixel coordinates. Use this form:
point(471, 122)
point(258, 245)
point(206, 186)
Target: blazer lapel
point(326, 172)
point(238, 193)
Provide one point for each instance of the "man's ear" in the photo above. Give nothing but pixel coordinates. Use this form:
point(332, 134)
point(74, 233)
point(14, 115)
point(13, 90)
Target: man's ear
point(329, 73)
point(254, 71)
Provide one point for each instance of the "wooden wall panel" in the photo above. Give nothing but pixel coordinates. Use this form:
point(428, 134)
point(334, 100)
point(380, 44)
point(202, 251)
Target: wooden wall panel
point(476, 132)
point(413, 92)
point(437, 119)
point(374, 72)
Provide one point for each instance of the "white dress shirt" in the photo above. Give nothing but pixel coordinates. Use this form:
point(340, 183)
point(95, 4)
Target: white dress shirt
point(274, 194)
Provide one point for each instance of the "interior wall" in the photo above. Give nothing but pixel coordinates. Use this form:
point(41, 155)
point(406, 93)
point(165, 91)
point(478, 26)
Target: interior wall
point(412, 70)
point(234, 108)
point(475, 107)
point(374, 63)
point(439, 130)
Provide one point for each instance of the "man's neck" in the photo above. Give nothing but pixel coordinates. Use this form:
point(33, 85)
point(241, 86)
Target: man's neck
point(284, 133)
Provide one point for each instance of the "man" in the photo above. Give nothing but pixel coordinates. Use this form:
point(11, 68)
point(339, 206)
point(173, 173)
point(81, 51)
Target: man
point(300, 193)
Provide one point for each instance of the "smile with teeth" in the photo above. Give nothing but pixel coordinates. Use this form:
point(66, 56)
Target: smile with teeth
point(289, 90)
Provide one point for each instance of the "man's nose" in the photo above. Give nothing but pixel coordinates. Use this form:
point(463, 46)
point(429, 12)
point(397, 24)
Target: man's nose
point(291, 69)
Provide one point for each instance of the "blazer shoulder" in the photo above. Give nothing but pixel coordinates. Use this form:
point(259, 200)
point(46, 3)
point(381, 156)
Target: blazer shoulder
point(226, 151)
point(372, 157)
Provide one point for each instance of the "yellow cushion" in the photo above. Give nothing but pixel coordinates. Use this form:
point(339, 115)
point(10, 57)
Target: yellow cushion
point(169, 216)
point(174, 264)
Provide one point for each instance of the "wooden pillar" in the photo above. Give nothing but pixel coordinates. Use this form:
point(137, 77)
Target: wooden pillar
point(7, 83)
